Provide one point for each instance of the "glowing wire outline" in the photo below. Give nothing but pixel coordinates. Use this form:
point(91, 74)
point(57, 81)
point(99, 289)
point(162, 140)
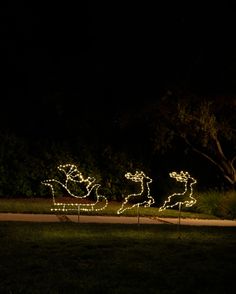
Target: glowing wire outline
point(137, 177)
point(74, 175)
point(181, 177)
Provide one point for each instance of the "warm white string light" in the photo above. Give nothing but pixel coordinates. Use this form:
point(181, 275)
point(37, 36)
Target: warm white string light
point(187, 199)
point(144, 194)
point(73, 175)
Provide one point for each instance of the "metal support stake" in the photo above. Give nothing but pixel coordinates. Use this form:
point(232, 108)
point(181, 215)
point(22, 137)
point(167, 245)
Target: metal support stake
point(180, 205)
point(78, 213)
point(138, 213)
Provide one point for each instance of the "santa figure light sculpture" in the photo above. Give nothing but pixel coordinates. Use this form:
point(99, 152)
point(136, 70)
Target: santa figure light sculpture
point(90, 200)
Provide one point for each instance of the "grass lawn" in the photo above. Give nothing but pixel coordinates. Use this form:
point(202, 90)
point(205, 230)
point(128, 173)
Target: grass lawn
point(42, 205)
point(104, 258)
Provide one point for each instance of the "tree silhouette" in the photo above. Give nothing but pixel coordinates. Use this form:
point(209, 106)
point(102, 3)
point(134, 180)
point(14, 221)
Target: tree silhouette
point(205, 124)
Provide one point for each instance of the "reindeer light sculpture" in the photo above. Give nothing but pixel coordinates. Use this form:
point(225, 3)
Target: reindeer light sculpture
point(142, 198)
point(183, 198)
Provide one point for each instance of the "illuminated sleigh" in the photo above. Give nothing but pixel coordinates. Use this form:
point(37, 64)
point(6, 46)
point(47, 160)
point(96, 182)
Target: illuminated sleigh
point(90, 200)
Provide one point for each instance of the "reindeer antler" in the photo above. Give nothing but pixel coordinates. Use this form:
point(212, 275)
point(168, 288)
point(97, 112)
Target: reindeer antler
point(180, 177)
point(137, 177)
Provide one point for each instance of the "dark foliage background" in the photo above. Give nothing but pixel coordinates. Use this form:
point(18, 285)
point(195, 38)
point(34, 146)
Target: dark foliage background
point(74, 78)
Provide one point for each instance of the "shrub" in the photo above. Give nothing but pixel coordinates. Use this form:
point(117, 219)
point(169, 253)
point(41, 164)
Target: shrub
point(208, 202)
point(221, 204)
point(227, 207)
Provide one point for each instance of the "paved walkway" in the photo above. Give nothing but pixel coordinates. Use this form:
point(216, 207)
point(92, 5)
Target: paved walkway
point(112, 219)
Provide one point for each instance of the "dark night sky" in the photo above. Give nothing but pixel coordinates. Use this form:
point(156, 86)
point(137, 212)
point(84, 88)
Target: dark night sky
point(97, 58)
